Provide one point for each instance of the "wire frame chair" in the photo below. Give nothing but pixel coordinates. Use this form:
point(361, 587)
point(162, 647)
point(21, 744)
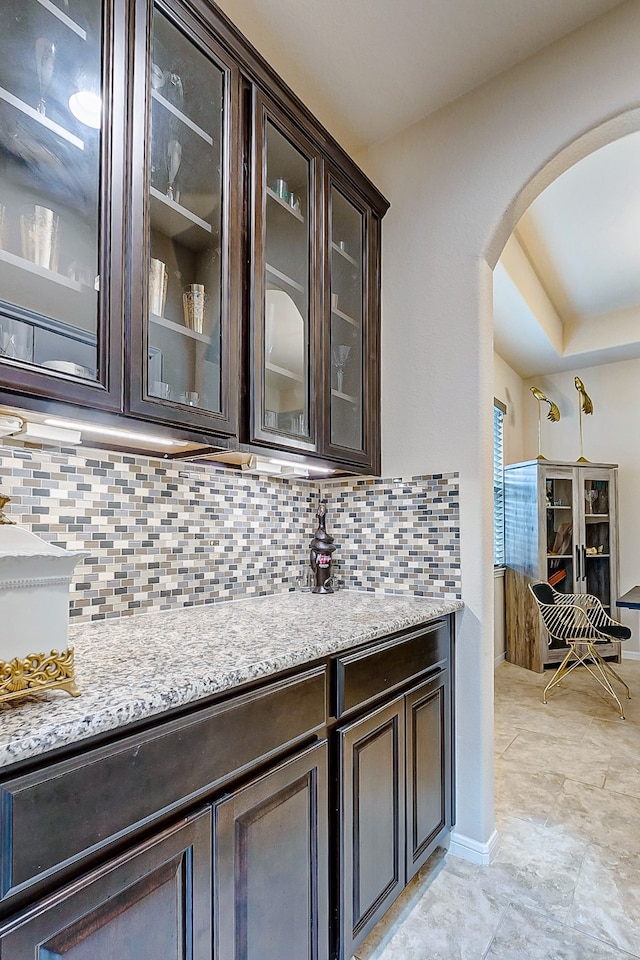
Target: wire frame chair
point(580, 621)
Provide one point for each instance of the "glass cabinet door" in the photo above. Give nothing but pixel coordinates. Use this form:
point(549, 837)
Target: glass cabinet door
point(347, 293)
point(597, 548)
point(188, 94)
point(563, 560)
point(285, 287)
point(52, 213)
point(184, 336)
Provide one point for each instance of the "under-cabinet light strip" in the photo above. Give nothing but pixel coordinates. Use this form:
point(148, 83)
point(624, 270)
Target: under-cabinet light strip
point(115, 432)
point(300, 466)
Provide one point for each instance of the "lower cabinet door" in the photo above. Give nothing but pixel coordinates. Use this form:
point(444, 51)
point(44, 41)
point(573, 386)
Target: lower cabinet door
point(152, 902)
point(428, 769)
point(372, 817)
point(271, 855)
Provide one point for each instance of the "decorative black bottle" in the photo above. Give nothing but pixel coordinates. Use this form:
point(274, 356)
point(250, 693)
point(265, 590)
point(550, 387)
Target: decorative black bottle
point(322, 546)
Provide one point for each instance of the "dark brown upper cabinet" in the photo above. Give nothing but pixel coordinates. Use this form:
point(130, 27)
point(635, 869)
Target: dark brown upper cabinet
point(186, 231)
point(197, 252)
point(62, 197)
point(314, 312)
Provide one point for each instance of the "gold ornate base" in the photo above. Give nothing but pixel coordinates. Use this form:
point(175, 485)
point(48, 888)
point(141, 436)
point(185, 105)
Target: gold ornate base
point(36, 673)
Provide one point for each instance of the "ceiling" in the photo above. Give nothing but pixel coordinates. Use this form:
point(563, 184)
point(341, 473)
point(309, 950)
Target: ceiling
point(567, 288)
point(369, 68)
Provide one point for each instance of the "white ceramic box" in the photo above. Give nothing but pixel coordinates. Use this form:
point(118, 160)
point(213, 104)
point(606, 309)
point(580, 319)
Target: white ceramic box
point(34, 608)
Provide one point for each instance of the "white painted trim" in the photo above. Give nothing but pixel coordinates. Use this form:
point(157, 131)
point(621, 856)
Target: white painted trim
point(472, 850)
point(630, 655)
point(498, 573)
point(499, 659)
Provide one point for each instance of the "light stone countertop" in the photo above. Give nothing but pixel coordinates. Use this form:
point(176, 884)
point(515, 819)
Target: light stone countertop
point(135, 667)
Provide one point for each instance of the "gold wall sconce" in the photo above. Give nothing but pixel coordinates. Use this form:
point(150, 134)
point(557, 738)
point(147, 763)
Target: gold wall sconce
point(585, 405)
point(553, 415)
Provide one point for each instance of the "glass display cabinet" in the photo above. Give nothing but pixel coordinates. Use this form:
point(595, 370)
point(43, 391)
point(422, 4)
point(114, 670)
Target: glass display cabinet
point(560, 526)
point(185, 333)
point(286, 282)
point(61, 139)
point(314, 320)
point(579, 534)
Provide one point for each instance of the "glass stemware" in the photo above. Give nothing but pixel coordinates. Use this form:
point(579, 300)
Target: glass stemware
point(340, 357)
point(591, 496)
point(175, 90)
point(45, 61)
point(174, 158)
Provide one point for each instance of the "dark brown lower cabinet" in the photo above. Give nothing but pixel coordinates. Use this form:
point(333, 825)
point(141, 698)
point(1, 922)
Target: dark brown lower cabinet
point(429, 775)
point(153, 902)
point(326, 790)
point(371, 813)
point(271, 857)
point(394, 802)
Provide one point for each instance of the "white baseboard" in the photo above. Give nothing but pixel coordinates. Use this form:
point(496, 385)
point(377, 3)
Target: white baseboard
point(473, 850)
point(630, 655)
point(499, 659)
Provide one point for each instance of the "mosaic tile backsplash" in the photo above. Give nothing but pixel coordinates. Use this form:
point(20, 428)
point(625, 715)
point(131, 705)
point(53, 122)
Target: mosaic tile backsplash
point(164, 535)
point(397, 535)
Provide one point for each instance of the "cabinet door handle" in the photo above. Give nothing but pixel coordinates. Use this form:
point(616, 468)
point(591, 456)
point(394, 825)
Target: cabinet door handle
point(578, 573)
point(584, 562)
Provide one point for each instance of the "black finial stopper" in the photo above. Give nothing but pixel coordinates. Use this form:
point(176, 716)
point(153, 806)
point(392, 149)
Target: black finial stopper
point(322, 546)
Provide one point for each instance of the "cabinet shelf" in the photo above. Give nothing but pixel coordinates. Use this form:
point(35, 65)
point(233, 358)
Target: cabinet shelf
point(39, 271)
point(598, 517)
point(343, 253)
point(559, 506)
point(178, 328)
point(345, 316)
point(283, 203)
point(285, 279)
point(345, 396)
point(188, 122)
point(283, 372)
point(44, 121)
point(177, 222)
point(63, 18)
point(559, 556)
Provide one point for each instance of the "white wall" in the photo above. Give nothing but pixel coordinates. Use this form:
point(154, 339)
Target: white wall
point(610, 436)
point(458, 183)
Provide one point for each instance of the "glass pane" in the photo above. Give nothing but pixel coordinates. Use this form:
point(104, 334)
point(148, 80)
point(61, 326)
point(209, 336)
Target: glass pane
point(50, 114)
point(347, 229)
point(560, 543)
point(597, 540)
point(286, 314)
point(185, 270)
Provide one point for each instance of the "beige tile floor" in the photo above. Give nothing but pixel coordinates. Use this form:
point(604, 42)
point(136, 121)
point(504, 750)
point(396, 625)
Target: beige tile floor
point(565, 884)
